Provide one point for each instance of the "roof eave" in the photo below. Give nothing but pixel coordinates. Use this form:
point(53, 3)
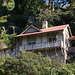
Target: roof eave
point(35, 34)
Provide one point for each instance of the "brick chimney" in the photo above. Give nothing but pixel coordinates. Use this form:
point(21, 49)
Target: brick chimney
point(44, 24)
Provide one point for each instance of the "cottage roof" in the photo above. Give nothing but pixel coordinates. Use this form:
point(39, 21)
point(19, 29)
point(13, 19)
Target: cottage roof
point(71, 38)
point(50, 29)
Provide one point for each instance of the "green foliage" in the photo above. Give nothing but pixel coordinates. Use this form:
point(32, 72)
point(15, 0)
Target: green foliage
point(49, 16)
point(21, 9)
point(7, 39)
point(29, 63)
point(28, 7)
point(10, 5)
point(49, 25)
point(68, 69)
point(3, 19)
point(18, 20)
point(3, 10)
point(2, 61)
point(6, 6)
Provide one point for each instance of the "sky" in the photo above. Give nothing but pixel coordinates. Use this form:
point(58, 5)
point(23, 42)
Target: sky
point(66, 3)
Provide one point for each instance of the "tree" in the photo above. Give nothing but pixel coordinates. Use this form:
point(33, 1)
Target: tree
point(3, 10)
point(28, 7)
point(6, 6)
point(52, 18)
point(10, 5)
point(54, 3)
point(5, 39)
point(29, 63)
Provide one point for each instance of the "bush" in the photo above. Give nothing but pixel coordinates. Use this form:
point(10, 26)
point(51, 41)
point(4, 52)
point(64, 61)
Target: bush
point(29, 63)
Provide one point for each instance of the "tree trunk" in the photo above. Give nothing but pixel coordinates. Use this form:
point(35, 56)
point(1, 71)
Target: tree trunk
point(52, 5)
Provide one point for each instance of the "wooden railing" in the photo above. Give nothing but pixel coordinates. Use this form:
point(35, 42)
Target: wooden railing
point(41, 45)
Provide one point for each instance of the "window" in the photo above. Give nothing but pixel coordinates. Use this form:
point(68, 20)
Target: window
point(31, 39)
point(52, 39)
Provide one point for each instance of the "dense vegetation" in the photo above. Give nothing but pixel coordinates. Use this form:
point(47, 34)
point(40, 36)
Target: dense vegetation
point(16, 12)
point(33, 64)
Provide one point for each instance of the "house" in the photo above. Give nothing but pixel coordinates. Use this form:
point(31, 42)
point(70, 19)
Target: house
point(71, 51)
point(50, 41)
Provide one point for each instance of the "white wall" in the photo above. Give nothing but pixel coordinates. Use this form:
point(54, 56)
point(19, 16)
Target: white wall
point(65, 37)
point(41, 40)
point(44, 37)
point(24, 40)
point(38, 38)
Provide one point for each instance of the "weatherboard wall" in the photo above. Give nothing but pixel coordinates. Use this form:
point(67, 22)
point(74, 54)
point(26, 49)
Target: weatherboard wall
point(41, 40)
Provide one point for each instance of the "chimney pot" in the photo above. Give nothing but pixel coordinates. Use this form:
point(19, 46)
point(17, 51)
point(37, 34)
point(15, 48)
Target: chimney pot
point(44, 24)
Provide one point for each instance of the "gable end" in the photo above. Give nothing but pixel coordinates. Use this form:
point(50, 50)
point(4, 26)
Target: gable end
point(31, 29)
